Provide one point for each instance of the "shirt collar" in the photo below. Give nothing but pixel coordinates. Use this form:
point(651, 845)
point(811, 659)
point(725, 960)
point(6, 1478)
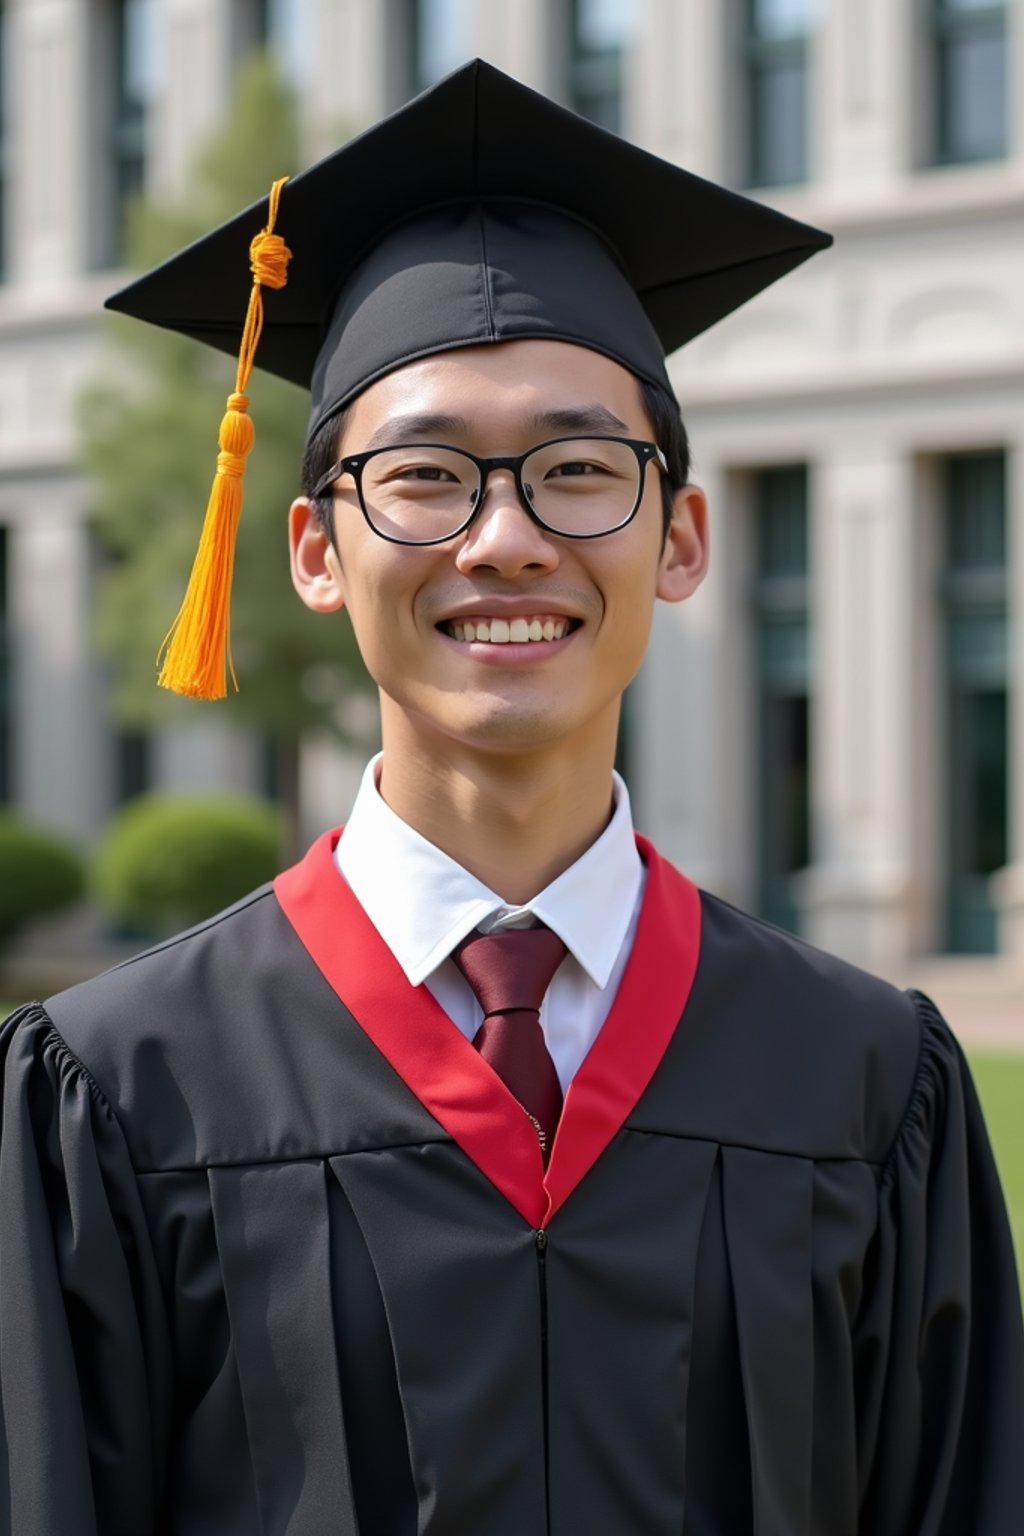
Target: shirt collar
point(423, 903)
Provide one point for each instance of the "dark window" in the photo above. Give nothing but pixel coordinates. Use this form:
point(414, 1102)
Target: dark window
point(782, 637)
point(284, 27)
point(602, 31)
point(128, 749)
point(778, 87)
point(439, 40)
point(6, 702)
point(133, 764)
point(971, 69)
point(977, 650)
point(134, 63)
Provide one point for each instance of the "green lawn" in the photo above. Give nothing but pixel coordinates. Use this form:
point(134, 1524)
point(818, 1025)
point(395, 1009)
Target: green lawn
point(1000, 1081)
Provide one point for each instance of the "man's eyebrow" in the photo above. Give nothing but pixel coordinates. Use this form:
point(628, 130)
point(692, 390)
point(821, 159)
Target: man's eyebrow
point(580, 418)
point(436, 426)
point(420, 426)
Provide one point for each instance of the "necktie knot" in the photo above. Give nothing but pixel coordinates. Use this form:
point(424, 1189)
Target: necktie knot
point(510, 971)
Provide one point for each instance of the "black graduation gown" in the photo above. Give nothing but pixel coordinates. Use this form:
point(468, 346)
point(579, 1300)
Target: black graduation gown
point(278, 1254)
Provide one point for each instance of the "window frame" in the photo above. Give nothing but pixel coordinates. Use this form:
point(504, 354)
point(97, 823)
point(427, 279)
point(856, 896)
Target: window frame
point(949, 25)
point(782, 640)
point(977, 622)
point(760, 55)
point(595, 74)
point(129, 123)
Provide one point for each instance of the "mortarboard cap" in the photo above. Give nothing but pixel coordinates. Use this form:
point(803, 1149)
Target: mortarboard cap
point(479, 212)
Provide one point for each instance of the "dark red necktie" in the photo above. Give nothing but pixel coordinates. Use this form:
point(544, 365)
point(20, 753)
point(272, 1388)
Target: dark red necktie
point(509, 973)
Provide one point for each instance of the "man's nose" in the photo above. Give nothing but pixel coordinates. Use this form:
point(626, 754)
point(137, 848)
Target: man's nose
point(503, 535)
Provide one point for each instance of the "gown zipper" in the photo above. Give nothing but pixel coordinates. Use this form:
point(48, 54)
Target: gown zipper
point(541, 1242)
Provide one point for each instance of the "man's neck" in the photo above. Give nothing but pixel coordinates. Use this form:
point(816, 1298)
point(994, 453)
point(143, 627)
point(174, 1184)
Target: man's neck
point(514, 821)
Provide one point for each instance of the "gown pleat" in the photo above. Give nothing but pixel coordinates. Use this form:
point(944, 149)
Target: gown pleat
point(463, 1305)
point(768, 1209)
point(273, 1240)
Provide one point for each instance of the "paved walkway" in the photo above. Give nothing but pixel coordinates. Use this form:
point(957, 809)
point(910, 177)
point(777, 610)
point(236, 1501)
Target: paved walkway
point(983, 999)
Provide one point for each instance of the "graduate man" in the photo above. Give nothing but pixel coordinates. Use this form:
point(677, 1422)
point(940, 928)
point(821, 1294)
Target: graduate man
point(482, 1177)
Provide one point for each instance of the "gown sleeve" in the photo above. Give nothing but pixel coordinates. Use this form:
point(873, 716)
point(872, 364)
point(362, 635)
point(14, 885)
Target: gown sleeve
point(942, 1413)
point(84, 1353)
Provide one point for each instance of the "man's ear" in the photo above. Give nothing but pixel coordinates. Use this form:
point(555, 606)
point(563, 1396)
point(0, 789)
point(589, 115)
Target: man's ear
point(684, 558)
point(316, 569)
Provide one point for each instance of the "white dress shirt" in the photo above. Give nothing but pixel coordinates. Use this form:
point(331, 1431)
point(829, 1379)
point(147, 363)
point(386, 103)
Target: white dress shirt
point(423, 904)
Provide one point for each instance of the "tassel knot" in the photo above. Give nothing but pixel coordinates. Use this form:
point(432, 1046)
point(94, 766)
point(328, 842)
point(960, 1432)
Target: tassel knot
point(232, 464)
point(237, 434)
point(269, 258)
point(197, 650)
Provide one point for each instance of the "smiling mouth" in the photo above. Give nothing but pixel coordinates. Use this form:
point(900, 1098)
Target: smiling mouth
point(539, 627)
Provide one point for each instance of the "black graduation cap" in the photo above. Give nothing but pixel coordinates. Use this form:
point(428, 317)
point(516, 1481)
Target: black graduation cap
point(480, 212)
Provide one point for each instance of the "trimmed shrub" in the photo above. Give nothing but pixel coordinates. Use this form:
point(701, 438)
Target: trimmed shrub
point(169, 860)
point(39, 873)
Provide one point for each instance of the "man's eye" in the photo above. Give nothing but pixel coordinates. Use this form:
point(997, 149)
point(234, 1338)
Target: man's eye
point(576, 467)
point(423, 473)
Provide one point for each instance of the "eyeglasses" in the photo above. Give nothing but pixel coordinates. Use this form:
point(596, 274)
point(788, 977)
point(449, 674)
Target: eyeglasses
point(425, 493)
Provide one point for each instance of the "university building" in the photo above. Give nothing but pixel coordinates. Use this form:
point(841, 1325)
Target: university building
point(832, 732)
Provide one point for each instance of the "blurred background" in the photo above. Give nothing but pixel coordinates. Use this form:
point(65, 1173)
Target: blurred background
point(831, 733)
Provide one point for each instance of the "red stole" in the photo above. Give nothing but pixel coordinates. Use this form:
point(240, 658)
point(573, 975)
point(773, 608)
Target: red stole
point(450, 1078)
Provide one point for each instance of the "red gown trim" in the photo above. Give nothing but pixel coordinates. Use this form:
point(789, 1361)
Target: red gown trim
point(450, 1078)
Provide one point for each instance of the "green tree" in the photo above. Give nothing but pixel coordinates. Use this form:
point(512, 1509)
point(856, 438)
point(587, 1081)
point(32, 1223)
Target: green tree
point(149, 441)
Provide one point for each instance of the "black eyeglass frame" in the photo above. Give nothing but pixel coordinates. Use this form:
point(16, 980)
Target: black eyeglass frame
point(354, 463)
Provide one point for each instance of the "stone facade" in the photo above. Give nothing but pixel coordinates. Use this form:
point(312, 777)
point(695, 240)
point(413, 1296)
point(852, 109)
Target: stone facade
point(902, 346)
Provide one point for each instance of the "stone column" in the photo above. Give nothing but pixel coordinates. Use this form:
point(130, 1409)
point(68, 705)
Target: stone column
point(356, 61)
point(54, 190)
point(682, 85)
point(60, 735)
point(196, 43)
point(526, 38)
point(865, 117)
point(207, 758)
point(693, 713)
point(858, 899)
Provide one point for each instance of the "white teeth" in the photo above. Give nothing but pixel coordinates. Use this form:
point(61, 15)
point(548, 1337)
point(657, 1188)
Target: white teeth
point(505, 631)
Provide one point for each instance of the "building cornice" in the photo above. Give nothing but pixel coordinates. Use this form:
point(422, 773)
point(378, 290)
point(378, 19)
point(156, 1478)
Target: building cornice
point(28, 309)
point(836, 383)
point(924, 198)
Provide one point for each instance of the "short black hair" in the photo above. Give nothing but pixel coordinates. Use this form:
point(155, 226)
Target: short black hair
point(660, 406)
point(669, 429)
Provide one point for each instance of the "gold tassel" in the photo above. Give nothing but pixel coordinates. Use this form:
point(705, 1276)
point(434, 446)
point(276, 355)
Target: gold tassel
point(196, 653)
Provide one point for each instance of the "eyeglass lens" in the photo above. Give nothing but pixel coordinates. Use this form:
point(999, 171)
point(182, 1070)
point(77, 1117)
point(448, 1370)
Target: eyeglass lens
point(580, 486)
